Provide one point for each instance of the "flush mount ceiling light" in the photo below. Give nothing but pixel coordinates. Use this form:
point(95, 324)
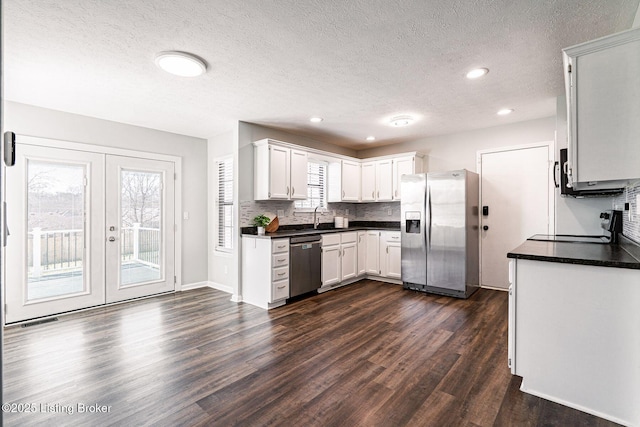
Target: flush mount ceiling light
point(400, 121)
point(315, 119)
point(371, 138)
point(505, 111)
point(181, 64)
point(477, 73)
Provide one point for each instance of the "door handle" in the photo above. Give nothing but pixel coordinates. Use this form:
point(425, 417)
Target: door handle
point(485, 227)
point(112, 239)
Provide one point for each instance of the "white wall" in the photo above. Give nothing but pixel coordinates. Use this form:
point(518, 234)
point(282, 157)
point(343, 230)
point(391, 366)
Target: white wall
point(41, 122)
point(458, 151)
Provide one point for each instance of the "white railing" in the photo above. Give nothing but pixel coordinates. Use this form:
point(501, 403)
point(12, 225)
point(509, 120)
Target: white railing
point(56, 251)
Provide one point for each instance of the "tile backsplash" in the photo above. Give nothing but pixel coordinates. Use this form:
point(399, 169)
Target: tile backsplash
point(630, 225)
point(357, 212)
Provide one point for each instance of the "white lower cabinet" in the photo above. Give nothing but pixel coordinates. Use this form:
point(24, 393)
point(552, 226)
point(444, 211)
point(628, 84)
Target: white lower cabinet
point(339, 257)
point(372, 257)
point(362, 253)
point(265, 271)
point(390, 260)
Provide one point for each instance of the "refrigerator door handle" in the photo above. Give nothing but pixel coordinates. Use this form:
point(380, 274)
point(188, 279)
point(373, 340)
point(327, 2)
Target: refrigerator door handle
point(430, 216)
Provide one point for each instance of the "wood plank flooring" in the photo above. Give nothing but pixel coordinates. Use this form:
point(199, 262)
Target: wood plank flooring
point(369, 354)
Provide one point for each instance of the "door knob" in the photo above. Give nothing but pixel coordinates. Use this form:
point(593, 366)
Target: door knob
point(485, 227)
point(112, 239)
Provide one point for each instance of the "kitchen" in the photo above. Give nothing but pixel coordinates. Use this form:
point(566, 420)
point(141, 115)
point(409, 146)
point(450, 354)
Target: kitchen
point(202, 264)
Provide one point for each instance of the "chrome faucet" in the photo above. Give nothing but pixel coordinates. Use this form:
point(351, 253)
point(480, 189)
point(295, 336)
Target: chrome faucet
point(315, 219)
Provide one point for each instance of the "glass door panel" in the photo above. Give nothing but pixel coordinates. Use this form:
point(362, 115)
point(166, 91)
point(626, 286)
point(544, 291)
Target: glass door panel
point(140, 227)
point(55, 217)
point(55, 230)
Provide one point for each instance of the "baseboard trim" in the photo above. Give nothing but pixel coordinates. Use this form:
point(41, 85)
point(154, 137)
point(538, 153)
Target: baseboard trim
point(493, 288)
point(208, 284)
point(195, 285)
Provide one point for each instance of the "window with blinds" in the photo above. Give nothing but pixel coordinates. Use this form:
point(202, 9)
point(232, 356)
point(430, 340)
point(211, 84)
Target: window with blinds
point(316, 186)
point(225, 204)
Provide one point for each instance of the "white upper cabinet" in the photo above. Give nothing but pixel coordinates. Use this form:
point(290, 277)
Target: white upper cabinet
point(404, 166)
point(350, 181)
point(368, 181)
point(384, 180)
point(280, 173)
point(602, 80)
point(298, 174)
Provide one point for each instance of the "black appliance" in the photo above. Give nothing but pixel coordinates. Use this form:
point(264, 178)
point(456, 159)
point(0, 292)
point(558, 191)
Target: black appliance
point(305, 274)
point(610, 221)
point(569, 191)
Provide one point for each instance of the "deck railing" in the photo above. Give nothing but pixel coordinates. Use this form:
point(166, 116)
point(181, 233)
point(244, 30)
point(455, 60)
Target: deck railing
point(56, 251)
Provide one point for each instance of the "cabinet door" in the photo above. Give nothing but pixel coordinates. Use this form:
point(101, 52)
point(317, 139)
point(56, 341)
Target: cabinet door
point(298, 175)
point(349, 261)
point(362, 253)
point(368, 182)
point(372, 258)
point(278, 172)
point(401, 166)
point(350, 181)
point(393, 260)
point(331, 265)
point(384, 180)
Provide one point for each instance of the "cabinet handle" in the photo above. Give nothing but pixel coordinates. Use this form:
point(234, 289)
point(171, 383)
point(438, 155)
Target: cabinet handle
point(293, 190)
point(280, 247)
point(281, 287)
point(282, 260)
point(387, 249)
point(396, 193)
point(378, 194)
point(343, 194)
point(373, 194)
point(281, 274)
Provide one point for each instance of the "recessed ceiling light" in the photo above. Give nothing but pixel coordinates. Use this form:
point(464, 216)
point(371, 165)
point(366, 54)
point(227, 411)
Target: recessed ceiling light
point(181, 64)
point(371, 138)
point(400, 121)
point(477, 72)
point(315, 119)
point(505, 111)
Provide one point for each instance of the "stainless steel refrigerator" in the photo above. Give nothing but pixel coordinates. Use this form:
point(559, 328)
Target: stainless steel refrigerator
point(440, 219)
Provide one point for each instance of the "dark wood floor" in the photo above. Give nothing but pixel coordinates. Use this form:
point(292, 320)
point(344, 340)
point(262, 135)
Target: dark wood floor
point(369, 354)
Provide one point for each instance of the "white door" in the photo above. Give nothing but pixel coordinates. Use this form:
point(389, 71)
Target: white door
point(350, 181)
point(55, 217)
point(401, 166)
point(299, 174)
point(330, 265)
point(368, 181)
point(140, 237)
point(349, 267)
point(384, 180)
point(516, 186)
point(60, 254)
point(393, 261)
point(278, 172)
point(362, 253)
point(372, 258)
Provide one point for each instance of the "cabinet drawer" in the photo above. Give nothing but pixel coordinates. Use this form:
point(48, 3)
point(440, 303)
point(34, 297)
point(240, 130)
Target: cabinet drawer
point(330, 239)
point(279, 246)
point(392, 236)
point(278, 260)
point(350, 237)
point(280, 290)
point(280, 273)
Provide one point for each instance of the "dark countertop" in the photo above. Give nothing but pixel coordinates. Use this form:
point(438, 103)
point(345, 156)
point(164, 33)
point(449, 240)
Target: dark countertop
point(626, 254)
point(308, 230)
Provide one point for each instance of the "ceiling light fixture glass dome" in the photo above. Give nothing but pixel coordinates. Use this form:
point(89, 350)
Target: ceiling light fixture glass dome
point(505, 111)
point(477, 73)
point(400, 121)
point(181, 63)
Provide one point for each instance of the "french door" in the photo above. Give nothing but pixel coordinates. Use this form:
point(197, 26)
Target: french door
point(86, 229)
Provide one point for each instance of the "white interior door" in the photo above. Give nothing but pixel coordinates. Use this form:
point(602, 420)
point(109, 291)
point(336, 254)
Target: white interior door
point(140, 230)
point(517, 187)
point(55, 250)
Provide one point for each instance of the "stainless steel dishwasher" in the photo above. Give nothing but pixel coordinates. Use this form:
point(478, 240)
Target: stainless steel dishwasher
point(304, 265)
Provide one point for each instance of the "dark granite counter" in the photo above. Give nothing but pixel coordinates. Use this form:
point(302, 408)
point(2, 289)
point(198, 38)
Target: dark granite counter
point(626, 254)
point(296, 230)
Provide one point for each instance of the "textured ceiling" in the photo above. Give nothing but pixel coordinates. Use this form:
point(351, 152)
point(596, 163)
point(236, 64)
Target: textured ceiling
point(355, 63)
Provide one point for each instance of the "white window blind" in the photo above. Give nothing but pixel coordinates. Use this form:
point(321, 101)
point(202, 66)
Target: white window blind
point(225, 204)
point(316, 186)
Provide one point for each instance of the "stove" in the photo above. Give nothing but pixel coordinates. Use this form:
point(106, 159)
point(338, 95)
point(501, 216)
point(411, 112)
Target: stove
point(610, 221)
